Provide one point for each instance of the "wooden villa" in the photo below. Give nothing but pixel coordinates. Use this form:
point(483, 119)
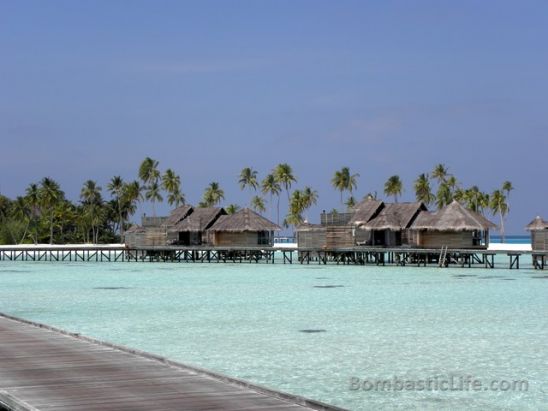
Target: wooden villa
point(371, 222)
point(153, 231)
point(539, 234)
point(453, 226)
point(193, 230)
point(242, 229)
point(390, 227)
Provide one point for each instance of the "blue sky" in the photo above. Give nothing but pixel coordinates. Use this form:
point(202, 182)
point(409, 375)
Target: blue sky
point(88, 89)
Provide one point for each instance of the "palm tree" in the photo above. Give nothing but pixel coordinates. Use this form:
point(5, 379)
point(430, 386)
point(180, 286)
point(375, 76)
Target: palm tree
point(64, 216)
point(296, 207)
point(22, 212)
point(350, 203)
point(171, 183)
point(153, 194)
point(343, 181)
point(440, 173)
point(176, 198)
point(93, 204)
point(499, 206)
point(257, 204)
point(232, 208)
point(213, 195)
point(90, 193)
point(443, 196)
point(507, 187)
point(483, 202)
point(148, 171)
point(248, 178)
point(131, 195)
point(452, 183)
point(50, 195)
point(149, 175)
point(116, 190)
point(471, 197)
point(270, 186)
point(394, 187)
point(423, 192)
point(33, 200)
point(95, 215)
point(284, 176)
point(309, 198)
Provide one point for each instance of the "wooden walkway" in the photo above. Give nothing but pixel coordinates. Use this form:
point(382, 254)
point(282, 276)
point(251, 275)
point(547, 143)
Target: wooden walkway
point(357, 255)
point(43, 368)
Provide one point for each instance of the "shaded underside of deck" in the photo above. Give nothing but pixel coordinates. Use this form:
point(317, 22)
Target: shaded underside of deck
point(45, 368)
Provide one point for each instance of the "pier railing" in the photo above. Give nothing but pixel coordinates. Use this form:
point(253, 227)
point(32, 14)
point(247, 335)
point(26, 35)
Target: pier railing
point(360, 255)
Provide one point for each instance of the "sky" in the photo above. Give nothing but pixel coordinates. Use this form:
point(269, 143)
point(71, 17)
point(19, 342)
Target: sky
point(89, 89)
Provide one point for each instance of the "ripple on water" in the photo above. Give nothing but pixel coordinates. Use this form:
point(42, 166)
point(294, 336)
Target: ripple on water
point(329, 286)
point(112, 288)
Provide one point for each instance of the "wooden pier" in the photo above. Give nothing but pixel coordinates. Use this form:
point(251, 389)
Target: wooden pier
point(358, 255)
point(46, 368)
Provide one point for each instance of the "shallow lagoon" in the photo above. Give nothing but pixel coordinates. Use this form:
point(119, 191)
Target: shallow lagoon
point(309, 329)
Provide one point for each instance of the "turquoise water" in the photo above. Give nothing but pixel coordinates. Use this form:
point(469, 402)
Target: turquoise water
point(512, 239)
point(246, 320)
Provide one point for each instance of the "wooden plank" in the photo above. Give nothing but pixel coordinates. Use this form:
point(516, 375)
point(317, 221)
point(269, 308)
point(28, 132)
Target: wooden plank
point(46, 368)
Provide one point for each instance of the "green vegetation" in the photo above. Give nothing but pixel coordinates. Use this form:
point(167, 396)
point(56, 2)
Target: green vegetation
point(344, 181)
point(393, 187)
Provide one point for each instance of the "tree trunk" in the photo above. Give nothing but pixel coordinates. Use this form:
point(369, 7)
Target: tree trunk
point(24, 233)
point(271, 207)
point(51, 229)
point(501, 227)
point(153, 208)
point(121, 227)
point(278, 206)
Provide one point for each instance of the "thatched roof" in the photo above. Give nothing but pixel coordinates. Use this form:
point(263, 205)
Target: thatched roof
point(537, 224)
point(395, 216)
point(199, 220)
point(365, 210)
point(178, 214)
point(244, 220)
point(454, 217)
point(135, 229)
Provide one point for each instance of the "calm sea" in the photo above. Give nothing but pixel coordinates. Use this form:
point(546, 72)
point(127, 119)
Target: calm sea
point(512, 239)
point(317, 331)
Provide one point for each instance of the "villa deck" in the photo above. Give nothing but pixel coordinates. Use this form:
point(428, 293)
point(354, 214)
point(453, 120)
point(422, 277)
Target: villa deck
point(46, 368)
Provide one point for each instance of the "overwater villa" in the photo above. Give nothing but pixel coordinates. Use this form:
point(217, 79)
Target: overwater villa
point(539, 234)
point(453, 226)
point(242, 229)
point(153, 231)
point(376, 223)
point(391, 227)
point(189, 226)
point(193, 230)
